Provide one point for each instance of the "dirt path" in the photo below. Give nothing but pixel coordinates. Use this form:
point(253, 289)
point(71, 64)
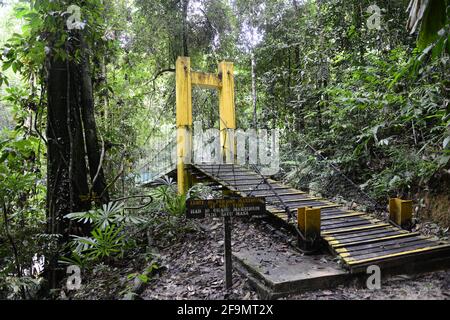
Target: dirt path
point(195, 270)
point(430, 286)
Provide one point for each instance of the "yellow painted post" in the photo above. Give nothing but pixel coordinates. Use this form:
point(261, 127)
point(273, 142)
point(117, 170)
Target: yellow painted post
point(308, 220)
point(312, 223)
point(184, 121)
point(227, 111)
point(205, 80)
point(301, 219)
point(400, 211)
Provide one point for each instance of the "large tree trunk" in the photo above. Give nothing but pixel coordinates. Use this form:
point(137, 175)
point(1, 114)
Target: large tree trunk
point(72, 146)
point(67, 186)
point(90, 130)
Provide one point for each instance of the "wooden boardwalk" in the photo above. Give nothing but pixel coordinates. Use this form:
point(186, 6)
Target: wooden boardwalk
point(358, 238)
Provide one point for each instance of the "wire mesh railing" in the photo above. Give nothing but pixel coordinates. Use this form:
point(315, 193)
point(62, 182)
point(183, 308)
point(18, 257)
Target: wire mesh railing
point(307, 168)
point(158, 161)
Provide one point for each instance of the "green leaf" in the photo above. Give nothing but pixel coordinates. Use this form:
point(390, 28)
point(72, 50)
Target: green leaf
point(446, 143)
point(7, 64)
point(144, 278)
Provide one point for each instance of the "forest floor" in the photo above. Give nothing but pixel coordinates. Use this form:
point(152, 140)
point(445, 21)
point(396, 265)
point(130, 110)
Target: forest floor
point(194, 269)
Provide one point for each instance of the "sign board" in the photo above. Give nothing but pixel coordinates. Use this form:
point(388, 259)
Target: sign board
point(219, 208)
point(226, 208)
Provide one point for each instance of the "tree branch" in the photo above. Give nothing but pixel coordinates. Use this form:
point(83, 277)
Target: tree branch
point(160, 72)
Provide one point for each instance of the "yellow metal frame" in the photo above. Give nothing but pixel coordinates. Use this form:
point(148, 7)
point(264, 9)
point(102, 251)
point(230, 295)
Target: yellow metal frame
point(308, 220)
point(222, 81)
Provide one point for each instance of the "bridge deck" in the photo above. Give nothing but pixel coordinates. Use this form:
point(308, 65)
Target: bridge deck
point(358, 238)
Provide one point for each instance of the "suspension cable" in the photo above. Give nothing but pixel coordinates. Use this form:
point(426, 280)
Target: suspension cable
point(170, 143)
point(336, 169)
point(264, 180)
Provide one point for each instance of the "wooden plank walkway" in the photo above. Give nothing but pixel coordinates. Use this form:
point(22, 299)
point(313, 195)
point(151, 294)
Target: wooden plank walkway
point(358, 238)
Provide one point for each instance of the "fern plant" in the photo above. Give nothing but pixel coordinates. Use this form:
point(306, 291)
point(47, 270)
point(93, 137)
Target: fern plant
point(107, 238)
point(110, 213)
point(176, 205)
point(165, 191)
point(106, 242)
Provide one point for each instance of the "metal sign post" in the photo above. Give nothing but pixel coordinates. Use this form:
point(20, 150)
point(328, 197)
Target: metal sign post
point(227, 253)
point(226, 208)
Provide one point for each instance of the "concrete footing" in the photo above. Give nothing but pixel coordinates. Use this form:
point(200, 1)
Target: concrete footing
point(275, 274)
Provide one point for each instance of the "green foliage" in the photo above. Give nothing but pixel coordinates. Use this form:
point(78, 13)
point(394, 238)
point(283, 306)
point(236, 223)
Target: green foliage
point(108, 236)
point(22, 217)
point(17, 288)
point(373, 103)
point(103, 243)
point(387, 140)
point(110, 213)
point(369, 102)
point(166, 215)
point(169, 202)
point(77, 259)
point(434, 20)
point(145, 276)
point(176, 206)
point(166, 191)
point(22, 191)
